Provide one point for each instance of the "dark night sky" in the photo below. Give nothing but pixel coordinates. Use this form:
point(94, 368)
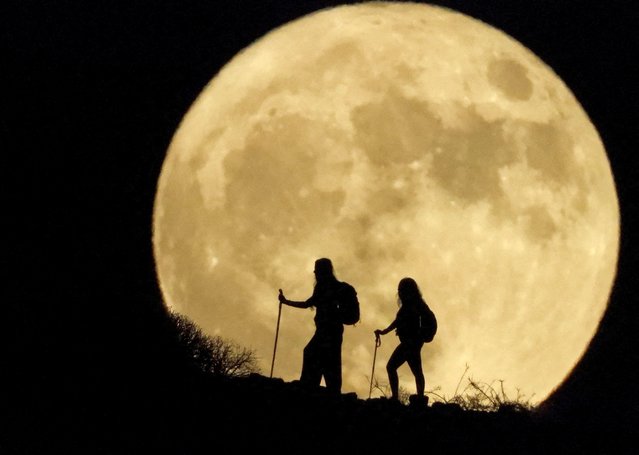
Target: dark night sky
point(96, 90)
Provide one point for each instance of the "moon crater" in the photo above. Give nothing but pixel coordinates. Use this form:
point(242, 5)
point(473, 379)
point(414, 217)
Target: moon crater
point(511, 78)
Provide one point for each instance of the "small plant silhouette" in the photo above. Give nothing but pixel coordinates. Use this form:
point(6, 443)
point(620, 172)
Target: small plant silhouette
point(384, 389)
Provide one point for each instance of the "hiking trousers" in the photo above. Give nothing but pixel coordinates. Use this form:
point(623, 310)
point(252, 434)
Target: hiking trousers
point(323, 357)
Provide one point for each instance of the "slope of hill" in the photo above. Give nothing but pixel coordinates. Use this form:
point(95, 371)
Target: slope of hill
point(257, 414)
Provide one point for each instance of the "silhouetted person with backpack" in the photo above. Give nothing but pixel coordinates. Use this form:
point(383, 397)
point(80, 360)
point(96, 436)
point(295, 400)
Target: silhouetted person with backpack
point(323, 353)
point(408, 327)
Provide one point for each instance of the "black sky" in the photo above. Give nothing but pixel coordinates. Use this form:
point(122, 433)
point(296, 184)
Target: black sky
point(95, 91)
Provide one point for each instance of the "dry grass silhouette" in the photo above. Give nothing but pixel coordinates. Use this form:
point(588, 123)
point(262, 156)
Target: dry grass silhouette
point(474, 396)
point(483, 396)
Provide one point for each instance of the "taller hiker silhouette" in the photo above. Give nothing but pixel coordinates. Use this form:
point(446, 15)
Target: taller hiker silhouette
point(407, 324)
point(323, 353)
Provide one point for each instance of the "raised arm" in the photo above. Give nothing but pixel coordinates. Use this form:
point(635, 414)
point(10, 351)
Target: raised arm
point(392, 326)
point(293, 303)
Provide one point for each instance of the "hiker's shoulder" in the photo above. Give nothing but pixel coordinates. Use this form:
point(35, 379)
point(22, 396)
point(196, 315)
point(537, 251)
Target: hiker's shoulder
point(347, 286)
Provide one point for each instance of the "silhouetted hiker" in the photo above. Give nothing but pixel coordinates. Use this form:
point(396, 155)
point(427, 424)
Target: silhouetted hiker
point(323, 353)
point(407, 327)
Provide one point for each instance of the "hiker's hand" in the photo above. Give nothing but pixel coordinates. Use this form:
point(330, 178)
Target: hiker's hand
point(281, 297)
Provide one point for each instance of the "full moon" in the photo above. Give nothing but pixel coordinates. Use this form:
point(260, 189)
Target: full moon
point(399, 140)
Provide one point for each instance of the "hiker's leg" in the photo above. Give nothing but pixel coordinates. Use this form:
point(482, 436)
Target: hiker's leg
point(397, 358)
point(333, 364)
point(311, 368)
point(414, 359)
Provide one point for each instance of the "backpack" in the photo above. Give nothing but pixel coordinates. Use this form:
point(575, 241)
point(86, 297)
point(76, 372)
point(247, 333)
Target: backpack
point(348, 305)
point(427, 325)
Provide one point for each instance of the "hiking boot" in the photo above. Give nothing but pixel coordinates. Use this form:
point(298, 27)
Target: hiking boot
point(350, 396)
point(418, 401)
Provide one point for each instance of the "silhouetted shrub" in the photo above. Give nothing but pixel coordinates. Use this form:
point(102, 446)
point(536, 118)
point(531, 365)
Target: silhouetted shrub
point(213, 354)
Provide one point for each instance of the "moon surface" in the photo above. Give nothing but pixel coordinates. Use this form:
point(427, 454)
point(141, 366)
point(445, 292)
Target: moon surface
point(397, 139)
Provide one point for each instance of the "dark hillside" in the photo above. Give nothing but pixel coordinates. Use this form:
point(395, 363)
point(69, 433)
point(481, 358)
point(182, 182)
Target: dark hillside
point(204, 415)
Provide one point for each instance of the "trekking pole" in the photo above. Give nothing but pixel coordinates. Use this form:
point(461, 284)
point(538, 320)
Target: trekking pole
point(277, 333)
point(378, 343)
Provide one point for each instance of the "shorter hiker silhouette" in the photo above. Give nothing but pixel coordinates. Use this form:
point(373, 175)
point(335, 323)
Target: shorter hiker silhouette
point(412, 307)
point(323, 353)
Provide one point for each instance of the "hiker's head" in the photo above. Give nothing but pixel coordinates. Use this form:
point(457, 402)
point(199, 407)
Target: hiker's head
point(408, 291)
point(323, 270)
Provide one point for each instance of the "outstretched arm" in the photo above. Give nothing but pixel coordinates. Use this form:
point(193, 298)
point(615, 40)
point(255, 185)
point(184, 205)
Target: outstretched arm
point(387, 329)
point(293, 303)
